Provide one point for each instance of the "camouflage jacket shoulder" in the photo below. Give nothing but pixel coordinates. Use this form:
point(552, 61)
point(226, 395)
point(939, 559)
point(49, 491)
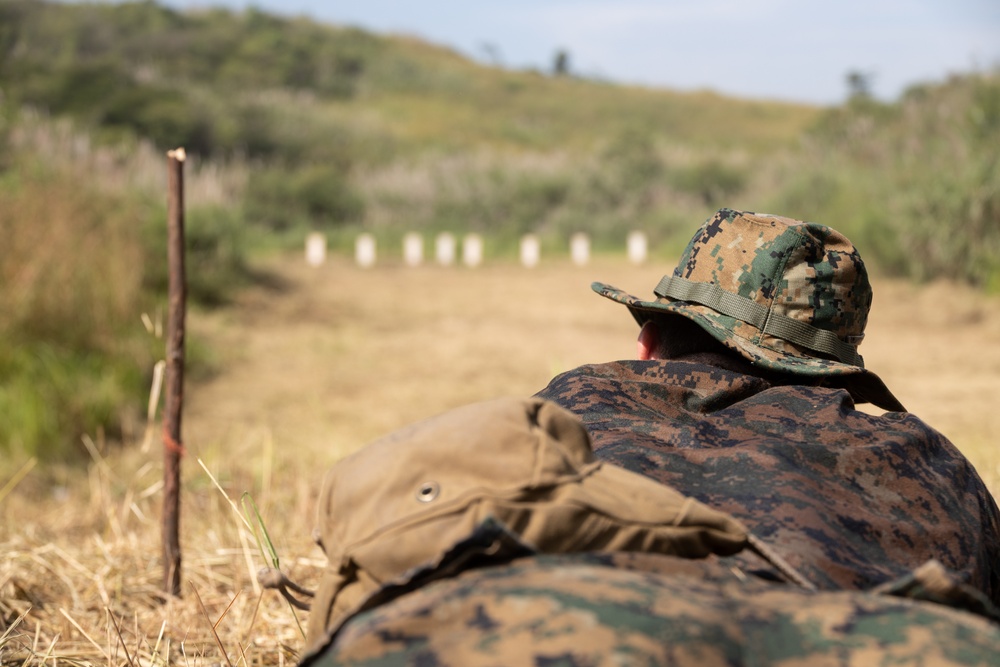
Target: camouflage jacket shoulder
point(852, 500)
point(643, 609)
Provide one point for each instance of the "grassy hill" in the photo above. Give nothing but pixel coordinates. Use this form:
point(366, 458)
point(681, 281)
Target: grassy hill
point(319, 121)
point(203, 79)
point(293, 125)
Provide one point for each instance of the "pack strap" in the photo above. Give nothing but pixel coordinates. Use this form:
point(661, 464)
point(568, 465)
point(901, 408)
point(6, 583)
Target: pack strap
point(759, 547)
point(761, 317)
point(270, 577)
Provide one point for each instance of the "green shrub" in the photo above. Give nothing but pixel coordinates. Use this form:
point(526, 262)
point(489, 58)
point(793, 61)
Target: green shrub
point(51, 395)
point(712, 181)
point(73, 356)
point(916, 183)
point(215, 241)
point(163, 115)
point(633, 158)
point(79, 269)
point(81, 89)
point(315, 196)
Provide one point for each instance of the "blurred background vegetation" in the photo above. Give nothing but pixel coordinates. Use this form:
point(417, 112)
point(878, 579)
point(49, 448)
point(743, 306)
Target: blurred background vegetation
point(295, 126)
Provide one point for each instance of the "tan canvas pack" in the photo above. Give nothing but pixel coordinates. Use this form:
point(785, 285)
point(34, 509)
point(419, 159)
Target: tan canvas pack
point(401, 503)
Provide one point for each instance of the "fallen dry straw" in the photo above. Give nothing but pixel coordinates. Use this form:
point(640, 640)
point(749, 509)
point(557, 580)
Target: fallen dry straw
point(81, 580)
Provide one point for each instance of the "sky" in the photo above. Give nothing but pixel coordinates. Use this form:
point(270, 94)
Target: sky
point(792, 50)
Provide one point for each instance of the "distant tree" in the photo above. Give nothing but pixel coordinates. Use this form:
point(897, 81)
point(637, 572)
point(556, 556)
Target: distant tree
point(560, 66)
point(492, 53)
point(859, 85)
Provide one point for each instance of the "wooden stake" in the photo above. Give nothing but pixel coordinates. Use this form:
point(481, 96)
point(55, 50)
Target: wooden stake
point(172, 443)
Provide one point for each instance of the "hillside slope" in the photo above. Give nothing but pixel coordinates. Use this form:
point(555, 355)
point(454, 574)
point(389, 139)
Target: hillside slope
point(211, 79)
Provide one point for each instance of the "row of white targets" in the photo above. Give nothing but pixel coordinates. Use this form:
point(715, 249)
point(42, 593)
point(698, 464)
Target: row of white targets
point(446, 249)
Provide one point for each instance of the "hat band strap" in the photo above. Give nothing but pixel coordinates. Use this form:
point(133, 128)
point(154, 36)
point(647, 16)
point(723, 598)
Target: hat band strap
point(758, 315)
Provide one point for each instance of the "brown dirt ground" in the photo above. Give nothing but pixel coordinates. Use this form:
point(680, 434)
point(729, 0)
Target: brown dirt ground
point(341, 355)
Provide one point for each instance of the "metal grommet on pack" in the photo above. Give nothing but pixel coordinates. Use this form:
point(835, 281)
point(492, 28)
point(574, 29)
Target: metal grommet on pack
point(428, 491)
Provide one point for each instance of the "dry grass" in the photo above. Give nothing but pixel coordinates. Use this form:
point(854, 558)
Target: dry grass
point(124, 168)
point(47, 269)
point(82, 566)
point(311, 372)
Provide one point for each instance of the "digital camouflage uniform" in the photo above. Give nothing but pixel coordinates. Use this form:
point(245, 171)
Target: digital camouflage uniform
point(586, 610)
point(491, 535)
point(851, 500)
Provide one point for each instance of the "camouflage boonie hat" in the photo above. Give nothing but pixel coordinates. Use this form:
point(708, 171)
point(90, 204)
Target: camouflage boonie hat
point(788, 295)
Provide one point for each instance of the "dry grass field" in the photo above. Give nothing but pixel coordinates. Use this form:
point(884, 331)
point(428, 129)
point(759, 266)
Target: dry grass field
point(308, 371)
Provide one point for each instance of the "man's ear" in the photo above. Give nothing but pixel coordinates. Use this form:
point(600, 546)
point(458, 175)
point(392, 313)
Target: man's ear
point(648, 345)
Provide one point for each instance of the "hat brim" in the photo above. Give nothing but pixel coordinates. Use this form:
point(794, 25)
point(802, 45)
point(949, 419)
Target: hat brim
point(863, 385)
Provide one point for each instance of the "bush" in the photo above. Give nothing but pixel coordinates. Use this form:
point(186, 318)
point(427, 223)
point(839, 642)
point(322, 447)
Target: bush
point(215, 254)
point(633, 158)
point(916, 184)
point(163, 115)
point(713, 181)
point(51, 395)
point(315, 196)
point(72, 353)
point(81, 89)
point(71, 268)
